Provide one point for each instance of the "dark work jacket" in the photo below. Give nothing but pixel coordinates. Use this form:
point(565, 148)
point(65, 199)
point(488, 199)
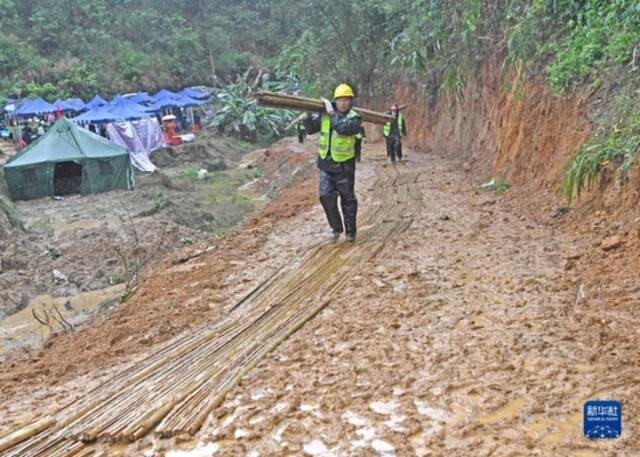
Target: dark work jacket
point(344, 126)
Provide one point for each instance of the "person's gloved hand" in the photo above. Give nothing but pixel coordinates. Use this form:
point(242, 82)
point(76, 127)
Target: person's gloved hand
point(328, 107)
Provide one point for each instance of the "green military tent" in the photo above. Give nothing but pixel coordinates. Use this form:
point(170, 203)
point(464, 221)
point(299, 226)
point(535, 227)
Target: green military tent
point(68, 159)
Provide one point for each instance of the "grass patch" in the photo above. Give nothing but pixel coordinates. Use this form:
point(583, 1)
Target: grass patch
point(160, 202)
point(190, 174)
point(615, 147)
point(216, 205)
point(221, 197)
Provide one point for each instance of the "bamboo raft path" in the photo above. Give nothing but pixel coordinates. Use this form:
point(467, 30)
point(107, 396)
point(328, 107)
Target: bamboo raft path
point(173, 391)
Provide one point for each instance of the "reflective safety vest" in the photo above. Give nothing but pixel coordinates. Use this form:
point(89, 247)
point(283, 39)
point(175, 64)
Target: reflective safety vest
point(387, 127)
point(342, 147)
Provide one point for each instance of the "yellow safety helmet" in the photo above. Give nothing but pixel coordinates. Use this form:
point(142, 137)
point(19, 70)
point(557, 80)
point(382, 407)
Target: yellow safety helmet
point(343, 90)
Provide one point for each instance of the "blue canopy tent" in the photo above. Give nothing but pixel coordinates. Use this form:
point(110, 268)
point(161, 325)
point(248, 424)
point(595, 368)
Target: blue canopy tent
point(166, 102)
point(76, 103)
point(64, 106)
point(164, 93)
point(126, 112)
point(141, 97)
point(95, 102)
point(120, 111)
point(193, 93)
point(34, 108)
point(118, 98)
point(186, 101)
point(121, 103)
point(97, 115)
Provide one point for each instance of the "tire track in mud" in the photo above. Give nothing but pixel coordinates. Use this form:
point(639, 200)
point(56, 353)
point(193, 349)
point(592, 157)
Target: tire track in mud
point(173, 391)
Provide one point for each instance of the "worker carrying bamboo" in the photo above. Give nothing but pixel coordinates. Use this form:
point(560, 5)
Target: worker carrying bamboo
point(302, 132)
point(393, 131)
point(338, 126)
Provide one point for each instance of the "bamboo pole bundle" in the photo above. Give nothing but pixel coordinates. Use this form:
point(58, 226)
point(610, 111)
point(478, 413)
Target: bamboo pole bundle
point(175, 390)
point(20, 435)
point(297, 102)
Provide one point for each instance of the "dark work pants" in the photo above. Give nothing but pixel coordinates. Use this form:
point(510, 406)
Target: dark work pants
point(340, 183)
point(394, 147)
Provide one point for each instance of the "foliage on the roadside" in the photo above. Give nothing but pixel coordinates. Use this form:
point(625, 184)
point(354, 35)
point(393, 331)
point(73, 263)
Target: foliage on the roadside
point(92, 45)
point(344, 42)
point(603, 33)
point(615, 147)
point(239, 115)
point(82, 47)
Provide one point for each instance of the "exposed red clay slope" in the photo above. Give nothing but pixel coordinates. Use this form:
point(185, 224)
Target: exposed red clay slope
point(513, 129)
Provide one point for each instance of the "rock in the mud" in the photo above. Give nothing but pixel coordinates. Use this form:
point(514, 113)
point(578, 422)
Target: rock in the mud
point(58, 276)
point(610, 243)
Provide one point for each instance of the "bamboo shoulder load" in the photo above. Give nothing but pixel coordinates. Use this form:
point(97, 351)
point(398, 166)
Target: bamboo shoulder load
point(296, 102)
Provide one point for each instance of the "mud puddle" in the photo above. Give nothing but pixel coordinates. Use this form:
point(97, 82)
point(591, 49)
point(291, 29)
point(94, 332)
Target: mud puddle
point(22, 328)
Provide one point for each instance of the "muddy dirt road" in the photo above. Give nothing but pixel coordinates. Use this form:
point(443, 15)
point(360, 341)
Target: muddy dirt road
point(467, 334)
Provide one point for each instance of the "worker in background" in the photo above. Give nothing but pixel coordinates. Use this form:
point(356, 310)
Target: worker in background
point(362, 134)
point(338, 126)
point(393, 131)
point(302, 132)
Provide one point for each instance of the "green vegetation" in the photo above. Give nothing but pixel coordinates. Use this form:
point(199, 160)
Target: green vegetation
point(80, 47)
point(223, 201)
point(238, 113)
point(603, 33)
point(91, 45)
point(614, 147)
point(160, 202)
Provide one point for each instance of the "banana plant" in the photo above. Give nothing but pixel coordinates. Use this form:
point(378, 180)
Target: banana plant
point(239, 115)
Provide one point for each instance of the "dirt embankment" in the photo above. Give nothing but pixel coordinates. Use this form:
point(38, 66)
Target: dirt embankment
point(506, 127)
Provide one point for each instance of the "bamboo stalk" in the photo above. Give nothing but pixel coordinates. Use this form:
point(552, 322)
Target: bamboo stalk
point(27, 432)
point(296, 102)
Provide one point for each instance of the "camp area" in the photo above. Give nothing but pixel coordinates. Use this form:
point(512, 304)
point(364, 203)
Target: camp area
point(66, 160)
point(69, 147)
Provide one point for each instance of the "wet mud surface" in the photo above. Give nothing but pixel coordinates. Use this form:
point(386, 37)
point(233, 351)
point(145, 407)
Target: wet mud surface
point(478, 331)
